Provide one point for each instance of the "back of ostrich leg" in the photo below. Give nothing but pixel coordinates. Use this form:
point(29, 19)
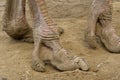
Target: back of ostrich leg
point(14, 20)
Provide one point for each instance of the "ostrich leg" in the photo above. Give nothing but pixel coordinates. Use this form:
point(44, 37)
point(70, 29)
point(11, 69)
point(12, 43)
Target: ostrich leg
point(45, 31)
point(14, 21)
point(90, 36)
point(101, 14)
point(107, 32)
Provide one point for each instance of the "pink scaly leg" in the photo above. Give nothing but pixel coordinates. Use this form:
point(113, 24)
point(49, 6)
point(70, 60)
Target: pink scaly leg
point(45, 31)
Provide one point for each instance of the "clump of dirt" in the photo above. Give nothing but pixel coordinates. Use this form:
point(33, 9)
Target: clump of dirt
point(15, 56)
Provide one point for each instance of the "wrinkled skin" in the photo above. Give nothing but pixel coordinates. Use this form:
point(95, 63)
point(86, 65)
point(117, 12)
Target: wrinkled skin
point(100, 25)
point(44, 31)
point(14, 21)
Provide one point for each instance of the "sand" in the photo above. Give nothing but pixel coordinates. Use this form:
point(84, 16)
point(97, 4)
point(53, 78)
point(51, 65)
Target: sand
point(15, 56)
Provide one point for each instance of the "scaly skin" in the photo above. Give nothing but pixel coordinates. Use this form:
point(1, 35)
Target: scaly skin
point(16, 26)
point(101, 14)
point(45, 31)
point(14, 21)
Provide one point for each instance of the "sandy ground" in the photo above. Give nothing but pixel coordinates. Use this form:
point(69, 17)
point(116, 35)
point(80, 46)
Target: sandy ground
point(15, 56)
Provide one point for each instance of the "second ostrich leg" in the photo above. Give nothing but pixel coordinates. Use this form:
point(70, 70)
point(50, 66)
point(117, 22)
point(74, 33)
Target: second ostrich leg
point(14, 21)
point(45, 31)
point(102, 14)
point(106, 31)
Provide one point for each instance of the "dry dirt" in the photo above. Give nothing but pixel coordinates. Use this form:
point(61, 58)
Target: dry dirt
point(15, 56)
